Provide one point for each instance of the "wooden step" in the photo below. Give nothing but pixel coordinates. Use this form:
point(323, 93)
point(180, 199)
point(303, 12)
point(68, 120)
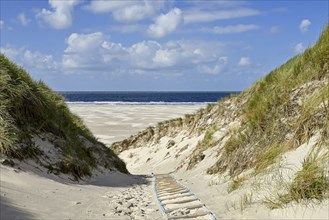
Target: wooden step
point(170, 188)
point(195, 215)
point(176, 196)
point(172, 192)
point(185, 207)
point(180, 201)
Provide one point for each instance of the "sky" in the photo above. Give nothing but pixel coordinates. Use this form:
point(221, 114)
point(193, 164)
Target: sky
point(156, 45)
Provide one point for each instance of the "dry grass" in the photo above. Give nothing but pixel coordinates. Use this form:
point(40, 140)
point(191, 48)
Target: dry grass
point(272, 123)
point(29, 108)
point(311, 182)
point(236, 183)
point(203, 145)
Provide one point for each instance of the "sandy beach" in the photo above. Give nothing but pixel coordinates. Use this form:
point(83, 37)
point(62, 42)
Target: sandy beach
point(112, 123)
point(28, 192)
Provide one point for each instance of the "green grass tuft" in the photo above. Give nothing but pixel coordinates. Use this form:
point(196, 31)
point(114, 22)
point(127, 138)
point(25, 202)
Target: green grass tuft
point(29, 109)
point(274, 119)
point(203, 145)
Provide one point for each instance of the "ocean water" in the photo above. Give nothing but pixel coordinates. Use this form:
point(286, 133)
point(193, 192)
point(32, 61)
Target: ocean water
point(148, 98)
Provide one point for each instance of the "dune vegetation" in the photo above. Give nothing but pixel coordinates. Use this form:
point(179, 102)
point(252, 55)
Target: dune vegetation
point(29, 111)
point(249, 137)
point(291, 101)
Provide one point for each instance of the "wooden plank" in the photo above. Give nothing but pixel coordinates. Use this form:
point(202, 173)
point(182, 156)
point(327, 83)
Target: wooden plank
point(180, 201)
point(172, 192)
point(176, 196)
point(169, 184)
point(184, 207)
point(170, 188)
point(190, 216)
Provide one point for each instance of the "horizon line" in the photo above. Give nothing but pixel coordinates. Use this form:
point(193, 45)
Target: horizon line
point(142, 91)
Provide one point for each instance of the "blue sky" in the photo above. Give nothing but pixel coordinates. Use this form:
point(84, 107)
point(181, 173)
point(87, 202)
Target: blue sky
point(156, 45)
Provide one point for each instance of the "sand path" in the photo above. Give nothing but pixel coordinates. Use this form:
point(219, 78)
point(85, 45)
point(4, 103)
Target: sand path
point(29, 195)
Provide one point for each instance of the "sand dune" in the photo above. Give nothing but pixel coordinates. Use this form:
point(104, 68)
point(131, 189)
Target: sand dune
point(32, 195)
point(28, 192)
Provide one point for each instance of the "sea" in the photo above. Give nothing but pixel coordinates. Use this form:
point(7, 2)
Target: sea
point(145, 98)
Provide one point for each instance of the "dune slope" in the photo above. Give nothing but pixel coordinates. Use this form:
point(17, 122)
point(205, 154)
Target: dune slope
point(263, 150)
point(36, 125)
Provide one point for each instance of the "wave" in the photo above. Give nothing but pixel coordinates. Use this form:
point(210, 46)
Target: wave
point(139, 103)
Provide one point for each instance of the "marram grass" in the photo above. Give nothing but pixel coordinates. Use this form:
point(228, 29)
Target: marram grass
point(29, 109)
point(273, 123)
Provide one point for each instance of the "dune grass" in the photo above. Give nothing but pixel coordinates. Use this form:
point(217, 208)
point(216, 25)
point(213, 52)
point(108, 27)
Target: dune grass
point(203, 145)
point(311, 182)
point(29, 108)
point(273, 122)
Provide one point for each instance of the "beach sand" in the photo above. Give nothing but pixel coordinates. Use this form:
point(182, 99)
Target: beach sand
point(110, 123)
point(28, 192)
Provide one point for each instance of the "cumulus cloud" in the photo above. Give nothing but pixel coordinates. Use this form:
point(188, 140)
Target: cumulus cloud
point(304, 25)
point(95, 52)
point(142, 53)
point(244, 61)
point(23, 19)
point(218, 67)
point(61, 15)
point(104, 6)
point(195, 15)
point(34, 62)
point(127, 11)
point(232, 29)
point(2, 23)
point(90, 50)
point(166, 23)
point(299, 48)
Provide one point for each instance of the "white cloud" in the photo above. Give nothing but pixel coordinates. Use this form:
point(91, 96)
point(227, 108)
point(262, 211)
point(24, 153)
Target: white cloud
point(164, 58)
point(104, 6)
point(166, 23)
point(244, 61)
point(10, 51)
point(23, 19)
point(34, 62)
point(240, 28)
point(275, 29)
point(126, 10)
point(299, 48)
point(195, 15)
point(218, 67)
point(202, 4)
point(141, 54)
point(304, 25)
point(2, 24)
point(96, 52)
point(61, 15)
point(90, 50)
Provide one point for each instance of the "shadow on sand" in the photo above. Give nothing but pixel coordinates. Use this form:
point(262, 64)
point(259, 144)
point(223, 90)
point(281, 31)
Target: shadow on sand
point(9, 211)
point(120, 180)
point(110, 179)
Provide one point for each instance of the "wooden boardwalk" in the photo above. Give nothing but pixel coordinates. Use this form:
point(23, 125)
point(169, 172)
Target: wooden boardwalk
point(178, 202)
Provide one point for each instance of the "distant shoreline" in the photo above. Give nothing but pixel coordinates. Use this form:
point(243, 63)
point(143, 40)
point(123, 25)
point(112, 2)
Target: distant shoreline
point(145, 98)
point(111, 123)
point(139, 103)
